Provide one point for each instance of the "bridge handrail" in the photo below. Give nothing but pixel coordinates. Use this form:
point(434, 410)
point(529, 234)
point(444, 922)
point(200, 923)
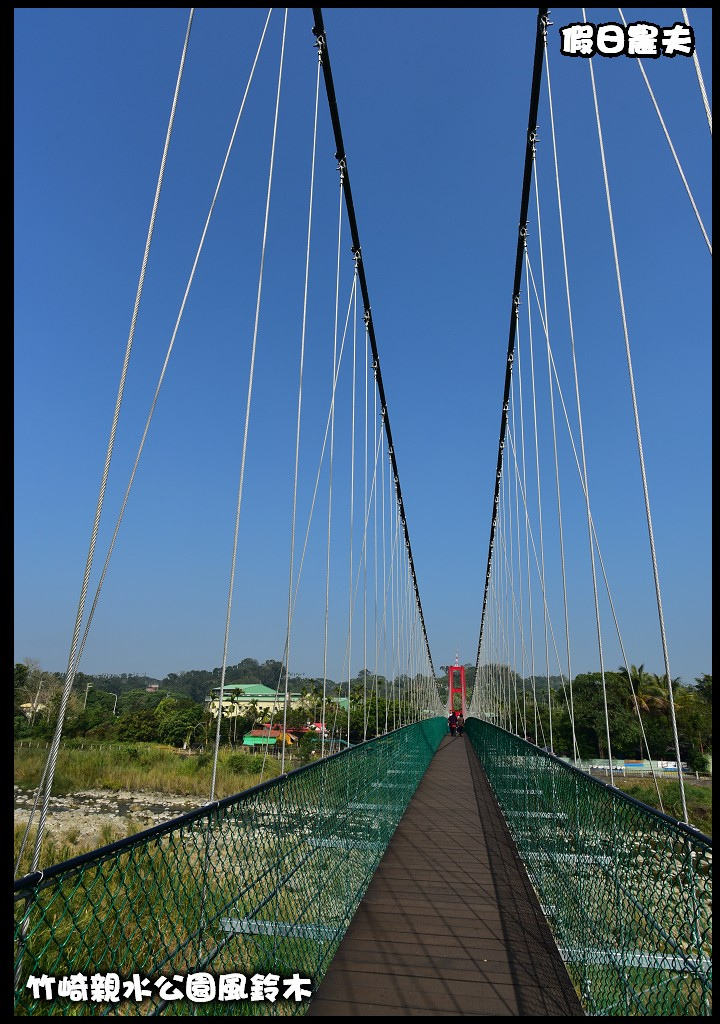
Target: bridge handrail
point(262, 882)
point(626, 890)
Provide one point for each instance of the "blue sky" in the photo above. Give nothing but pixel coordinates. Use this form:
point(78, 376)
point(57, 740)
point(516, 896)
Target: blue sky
point(433, 105)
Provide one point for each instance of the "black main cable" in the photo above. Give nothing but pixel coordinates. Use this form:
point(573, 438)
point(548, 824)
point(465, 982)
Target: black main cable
point(319, 33)
point(522, 231)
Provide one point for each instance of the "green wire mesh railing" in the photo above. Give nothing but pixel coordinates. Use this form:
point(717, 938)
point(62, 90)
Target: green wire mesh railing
point(627, 891)
point(230, 909)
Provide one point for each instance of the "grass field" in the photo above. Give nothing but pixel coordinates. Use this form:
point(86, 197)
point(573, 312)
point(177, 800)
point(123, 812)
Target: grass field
point(143, 766)
point(698, 799)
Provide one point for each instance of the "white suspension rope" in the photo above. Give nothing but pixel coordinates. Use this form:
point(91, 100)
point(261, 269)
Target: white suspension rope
point(641, 457)
point(251, 377)
point(365, 495)
point(549, 352)
point(355, 589)
point(508, 513)
point(538, 567)
point(170, 347)
point(330, 467)
point(701, 83)
point(384, 548)
point(172, 340)
point(523, 463)
point(299, 408)
point(49, 773)
point(669, 141)
point(507, 588)
point(324, 444)
point(552, 369)
point(537, 477)
point(552, 408)
point(395, 616)
point(352, 513)
point(596, 540)
point(377, 447)
point(310, 515)
point(513, 453)
point(519, 550)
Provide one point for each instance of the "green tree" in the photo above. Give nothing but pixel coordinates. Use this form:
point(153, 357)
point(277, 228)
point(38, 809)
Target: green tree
point(36, 696)
point(651, 700)
point(590, 720)
point(693, 716)
point(98, 711)
point(703, 685)
point(176, 718)
point(138, 726)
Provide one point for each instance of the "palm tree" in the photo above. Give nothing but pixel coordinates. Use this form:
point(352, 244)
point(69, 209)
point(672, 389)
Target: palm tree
point(647, 697)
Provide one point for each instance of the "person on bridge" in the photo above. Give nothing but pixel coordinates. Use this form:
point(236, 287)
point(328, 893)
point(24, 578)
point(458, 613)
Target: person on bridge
point(452, 722)
point(460, 723)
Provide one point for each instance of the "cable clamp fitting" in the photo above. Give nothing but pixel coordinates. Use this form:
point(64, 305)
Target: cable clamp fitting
point(319, 43)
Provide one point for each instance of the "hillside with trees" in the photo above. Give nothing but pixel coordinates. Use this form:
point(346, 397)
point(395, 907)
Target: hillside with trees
point(136, 708)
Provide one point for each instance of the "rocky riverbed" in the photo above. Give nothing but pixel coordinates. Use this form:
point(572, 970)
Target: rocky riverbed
point(95, 817)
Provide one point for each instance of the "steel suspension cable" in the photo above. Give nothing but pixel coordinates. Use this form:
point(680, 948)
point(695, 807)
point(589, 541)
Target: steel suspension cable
point(519, 549)
point(551, 393)
point(365, 494)
point(567, 294)
point(321, 459)
point(701, 83)
point(352, 515)
point(522, 230)
point(377, 435)
point(541, 533)
point(170, 348)
point(641, 456)
point(669, 140)
point(538, 567)
point(511, 592)
point(594, 532)
point(319, 32)
point(527, 540)
point(330, 466)
point(384, 551)
point(251, 377)
point(551, 370)
point(299, 409)
point(354, 591)
point(49, 773)
point(521, 486)
point(310, 518)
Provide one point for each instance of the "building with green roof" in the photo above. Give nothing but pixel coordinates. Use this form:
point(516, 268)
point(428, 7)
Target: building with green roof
point(259, 741)
point(238, 697)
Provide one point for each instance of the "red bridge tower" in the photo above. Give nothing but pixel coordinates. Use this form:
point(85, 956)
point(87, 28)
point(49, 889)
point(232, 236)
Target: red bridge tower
point(456, 687)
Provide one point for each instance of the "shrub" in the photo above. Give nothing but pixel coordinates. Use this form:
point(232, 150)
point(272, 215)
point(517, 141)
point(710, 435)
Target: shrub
point(201, 761)
point(249, 764)
point(239, 763)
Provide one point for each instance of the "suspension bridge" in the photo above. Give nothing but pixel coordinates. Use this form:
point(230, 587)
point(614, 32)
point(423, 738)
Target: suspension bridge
point(414, 872)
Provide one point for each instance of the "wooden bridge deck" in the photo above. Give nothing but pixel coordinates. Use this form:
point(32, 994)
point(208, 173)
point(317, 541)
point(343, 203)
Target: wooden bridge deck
point(450, 925)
